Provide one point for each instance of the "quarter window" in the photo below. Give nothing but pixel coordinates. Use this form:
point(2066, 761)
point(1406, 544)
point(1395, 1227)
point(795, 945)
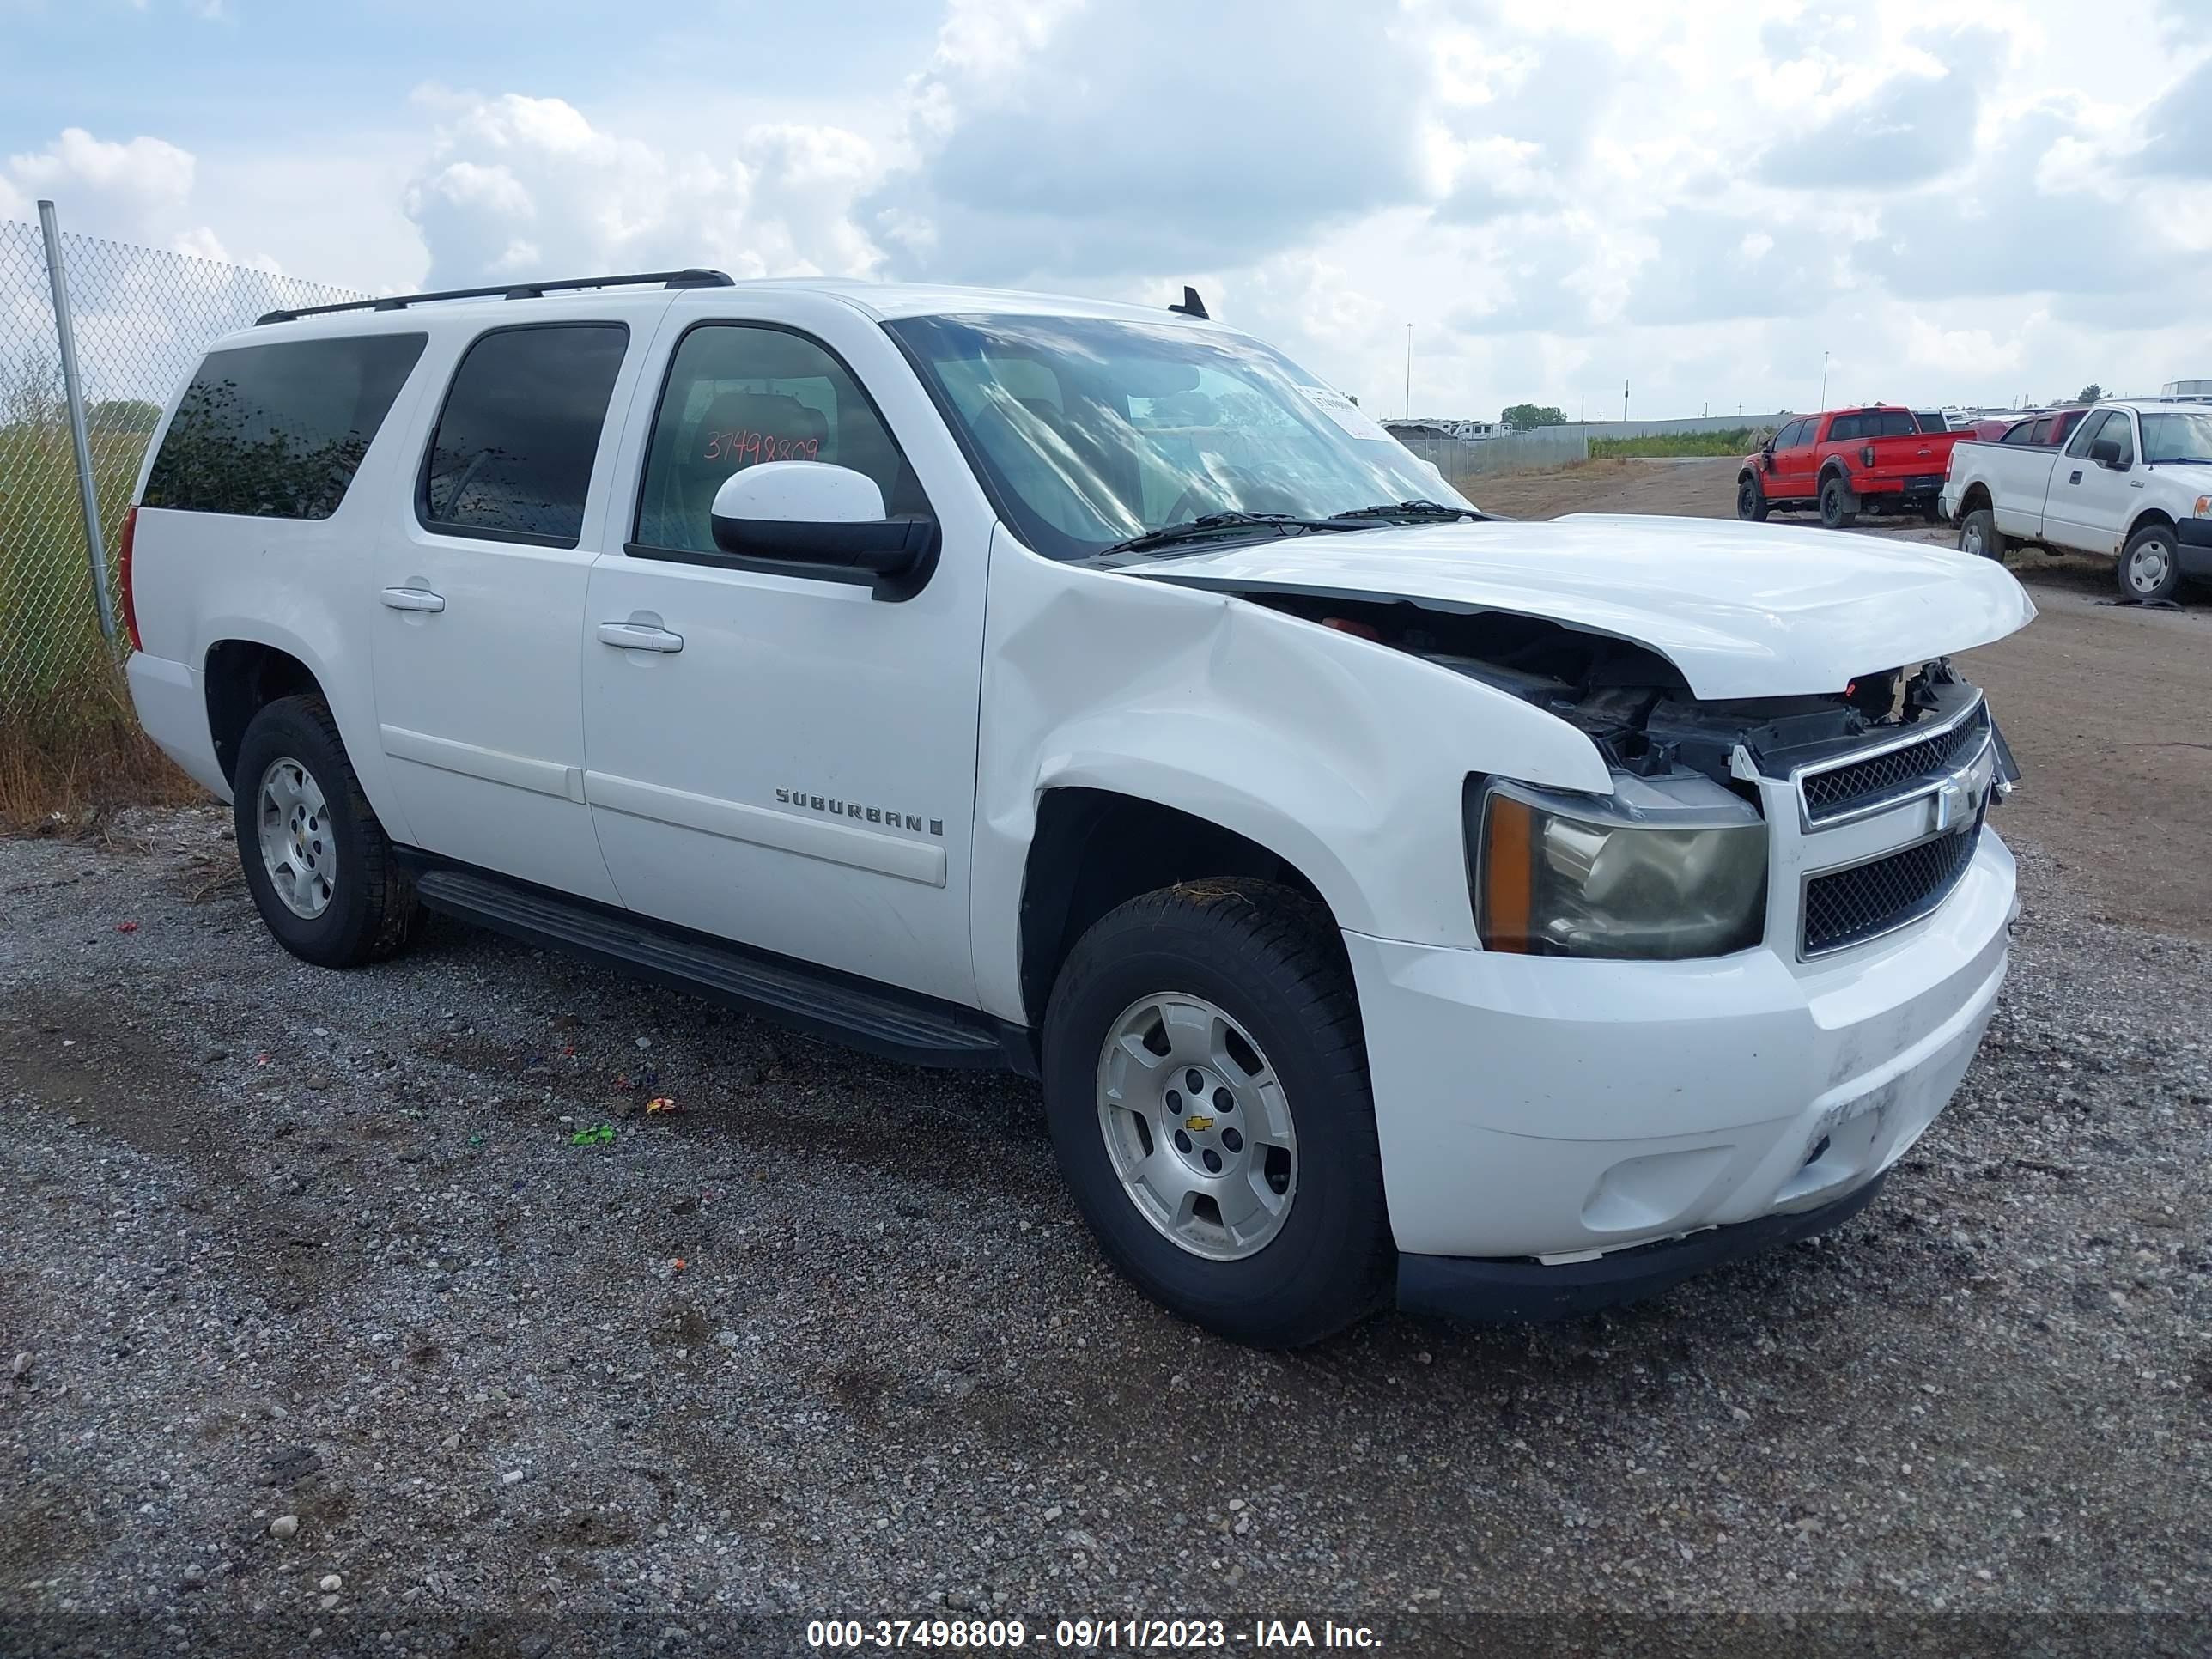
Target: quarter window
point(739, 394)
point(512, 457)
point(279, 431)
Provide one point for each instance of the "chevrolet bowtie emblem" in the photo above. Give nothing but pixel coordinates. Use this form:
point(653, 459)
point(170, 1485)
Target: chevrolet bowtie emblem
point(1197, 1125)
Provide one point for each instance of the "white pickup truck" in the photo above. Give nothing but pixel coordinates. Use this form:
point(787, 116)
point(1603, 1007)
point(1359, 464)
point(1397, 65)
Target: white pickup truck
point(1513, 918)
point(2134, 483)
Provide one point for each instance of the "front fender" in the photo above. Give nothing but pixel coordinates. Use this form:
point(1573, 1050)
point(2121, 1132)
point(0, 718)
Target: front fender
point(1344, 757)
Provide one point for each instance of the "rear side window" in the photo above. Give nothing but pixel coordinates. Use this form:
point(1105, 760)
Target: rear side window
point(277, 431)
point(1844, 427)
point(511, 459)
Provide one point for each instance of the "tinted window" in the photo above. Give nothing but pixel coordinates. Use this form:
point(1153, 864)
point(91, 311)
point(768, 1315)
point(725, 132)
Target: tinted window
point(2019, 432)
point(1931, 420)
point(738, 395)
point(277, 431)
point(511, 456)
point(1791, 435)
point(1844, 428)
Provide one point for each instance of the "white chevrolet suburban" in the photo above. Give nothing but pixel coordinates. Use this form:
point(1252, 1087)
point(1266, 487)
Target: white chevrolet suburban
point(2133, 484)
point(1513, 918)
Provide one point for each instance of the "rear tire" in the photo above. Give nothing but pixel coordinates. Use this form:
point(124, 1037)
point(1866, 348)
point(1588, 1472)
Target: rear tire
point(1979, 535)
point(316, 859)
point(1750, 500)
point(1243, 985)
point(2150, 568)
point(1836, 509)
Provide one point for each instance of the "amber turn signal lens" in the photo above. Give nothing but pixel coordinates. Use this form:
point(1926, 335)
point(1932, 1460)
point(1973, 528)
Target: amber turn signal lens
point(1509, 873)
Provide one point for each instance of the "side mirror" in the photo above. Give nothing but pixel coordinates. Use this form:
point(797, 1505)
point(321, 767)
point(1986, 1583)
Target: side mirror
point(2106, 452)
point(827, 518)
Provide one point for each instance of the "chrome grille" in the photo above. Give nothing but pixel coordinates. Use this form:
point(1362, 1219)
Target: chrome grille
point(1852, 786)
point(1844, 908)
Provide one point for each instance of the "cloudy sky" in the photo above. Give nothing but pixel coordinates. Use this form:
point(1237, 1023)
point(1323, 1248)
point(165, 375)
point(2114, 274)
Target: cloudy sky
point(1698, 199)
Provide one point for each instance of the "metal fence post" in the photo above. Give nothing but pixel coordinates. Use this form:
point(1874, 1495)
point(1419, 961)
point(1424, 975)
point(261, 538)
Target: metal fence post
point(96, 543)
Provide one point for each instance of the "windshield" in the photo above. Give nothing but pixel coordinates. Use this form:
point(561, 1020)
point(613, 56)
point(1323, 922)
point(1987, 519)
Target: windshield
point(2178, 437)
point(1090, 432)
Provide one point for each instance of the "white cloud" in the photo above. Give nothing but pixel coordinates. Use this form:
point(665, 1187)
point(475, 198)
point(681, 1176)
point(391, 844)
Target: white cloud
point(1091, 144)
point(520, 185)
point(1699, 198)
point(140, 190)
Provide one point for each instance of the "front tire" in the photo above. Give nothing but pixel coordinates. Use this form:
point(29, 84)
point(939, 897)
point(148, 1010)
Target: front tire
point(1750, 500)
point(1251, 1201)
point(1979, 535)
point(1836, 509)
point(317, 861)
point(2150, 568)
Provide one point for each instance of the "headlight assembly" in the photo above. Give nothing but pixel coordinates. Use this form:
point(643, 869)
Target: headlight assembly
point(1662, 869)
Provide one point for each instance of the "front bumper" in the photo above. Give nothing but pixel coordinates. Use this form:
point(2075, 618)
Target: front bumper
point(1552, 1108)
point(2194, 555)
point(1530, 1292)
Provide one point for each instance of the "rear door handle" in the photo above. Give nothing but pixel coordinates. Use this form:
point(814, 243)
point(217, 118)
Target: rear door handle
point(638, 636)
point(414, 598)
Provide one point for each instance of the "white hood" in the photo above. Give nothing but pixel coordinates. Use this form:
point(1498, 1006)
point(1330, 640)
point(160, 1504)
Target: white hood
point(1742, 610)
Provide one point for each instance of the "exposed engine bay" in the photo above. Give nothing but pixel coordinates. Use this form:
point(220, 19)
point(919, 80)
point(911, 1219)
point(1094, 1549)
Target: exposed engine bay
point(1632, 702)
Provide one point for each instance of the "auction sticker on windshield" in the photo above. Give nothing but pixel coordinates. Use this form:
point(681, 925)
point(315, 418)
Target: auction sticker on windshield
point(1344, 412)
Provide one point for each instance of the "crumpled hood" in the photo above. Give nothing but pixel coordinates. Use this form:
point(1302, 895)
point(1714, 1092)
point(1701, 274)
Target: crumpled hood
point(1742, 610)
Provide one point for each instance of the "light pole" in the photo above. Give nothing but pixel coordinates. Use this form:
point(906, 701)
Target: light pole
point(1824, 379)
point(1409, 371)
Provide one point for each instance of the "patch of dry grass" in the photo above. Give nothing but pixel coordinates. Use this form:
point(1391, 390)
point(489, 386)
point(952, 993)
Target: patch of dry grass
point(81, 758)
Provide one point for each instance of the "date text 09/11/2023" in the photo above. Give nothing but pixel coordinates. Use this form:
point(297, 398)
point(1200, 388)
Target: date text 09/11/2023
point(1166, 1634)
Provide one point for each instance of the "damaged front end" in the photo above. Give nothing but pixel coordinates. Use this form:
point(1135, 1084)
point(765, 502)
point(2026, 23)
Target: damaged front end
point(1814, 822)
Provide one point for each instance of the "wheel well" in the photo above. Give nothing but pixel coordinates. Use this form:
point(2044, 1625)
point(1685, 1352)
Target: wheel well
point(1835, 469)
point(243, 677)
point(2154, 516)
point(1976, 499)
point(1095, 850)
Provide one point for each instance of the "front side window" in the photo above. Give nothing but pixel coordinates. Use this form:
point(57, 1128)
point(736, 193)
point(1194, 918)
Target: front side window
point(2178, 436)
point(739, 394)
point(512, 457)
point(1791, 435)
point(1089, 432)
point(2091, 430)
point(279, 431)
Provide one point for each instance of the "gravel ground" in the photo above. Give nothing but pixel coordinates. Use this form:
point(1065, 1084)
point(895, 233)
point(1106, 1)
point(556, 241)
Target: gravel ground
point(318, 1314)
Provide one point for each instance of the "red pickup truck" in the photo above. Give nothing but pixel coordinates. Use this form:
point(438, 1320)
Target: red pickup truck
point(1847, 462)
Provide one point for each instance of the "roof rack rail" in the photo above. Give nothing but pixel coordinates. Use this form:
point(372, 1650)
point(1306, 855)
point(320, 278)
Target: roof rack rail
point(692, 278)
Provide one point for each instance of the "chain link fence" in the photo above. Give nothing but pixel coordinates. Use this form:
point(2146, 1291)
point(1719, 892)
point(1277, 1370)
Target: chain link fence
point(141, 319)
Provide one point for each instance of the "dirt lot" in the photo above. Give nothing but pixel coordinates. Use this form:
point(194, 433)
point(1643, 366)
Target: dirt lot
point(316, 1253)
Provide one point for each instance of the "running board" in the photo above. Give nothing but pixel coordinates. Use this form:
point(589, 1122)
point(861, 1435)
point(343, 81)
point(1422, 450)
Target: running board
point(818, 1003)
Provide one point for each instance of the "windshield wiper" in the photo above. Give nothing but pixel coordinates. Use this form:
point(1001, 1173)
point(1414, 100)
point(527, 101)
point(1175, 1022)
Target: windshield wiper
point(1214, 524)
point(1414, 510)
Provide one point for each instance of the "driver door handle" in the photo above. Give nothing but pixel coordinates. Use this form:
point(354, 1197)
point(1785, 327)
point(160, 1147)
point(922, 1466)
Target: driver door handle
point(638, 636)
